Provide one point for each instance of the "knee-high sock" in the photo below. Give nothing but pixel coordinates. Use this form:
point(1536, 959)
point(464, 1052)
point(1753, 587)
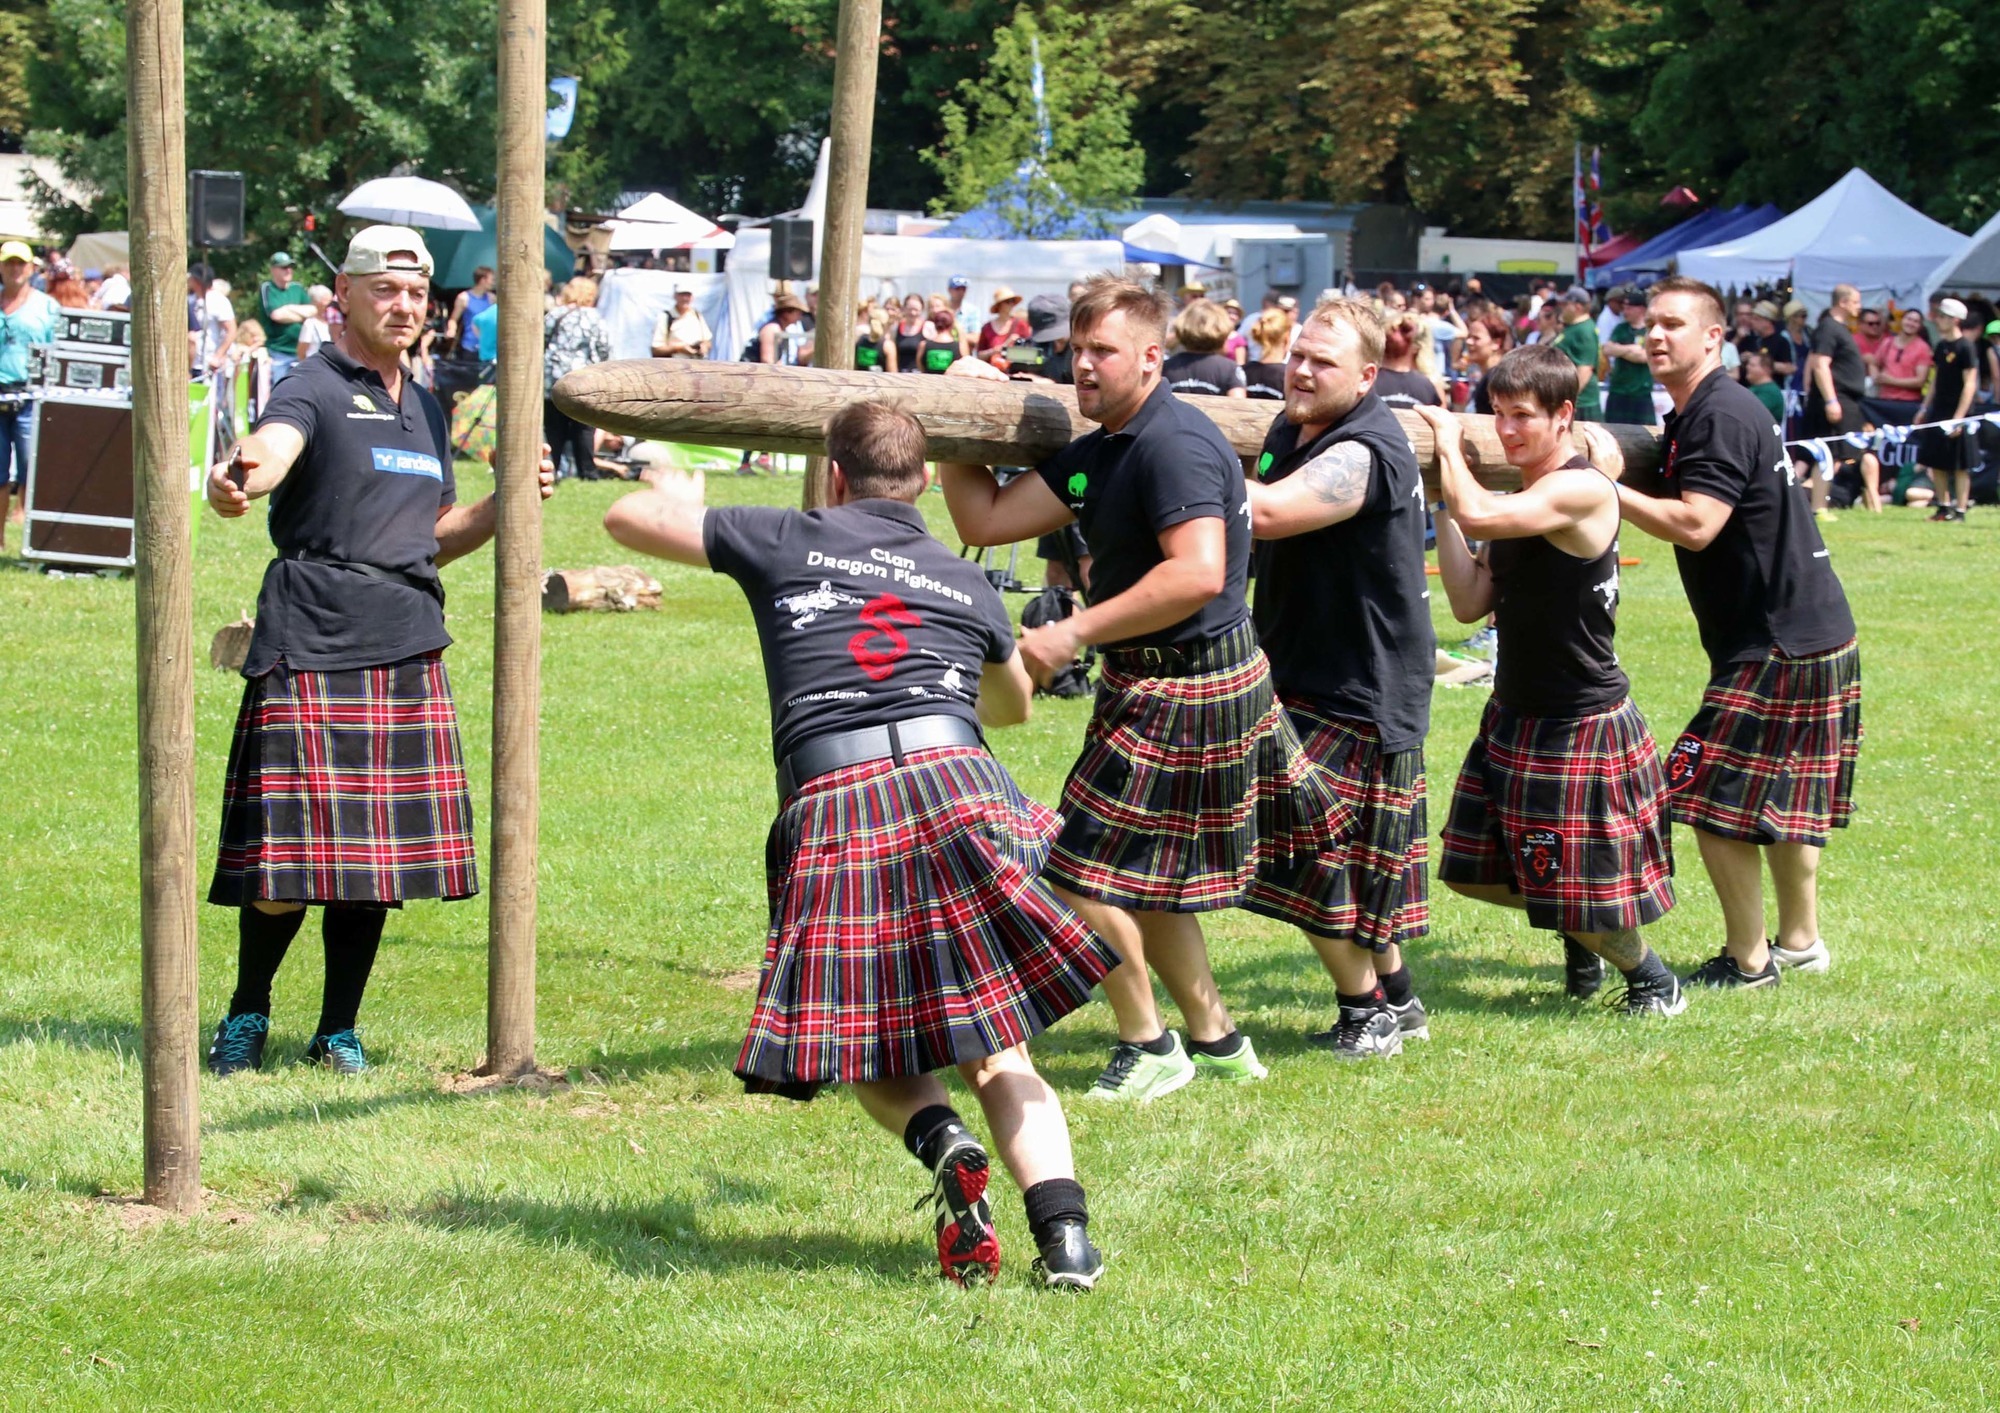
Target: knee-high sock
point(351, 936)
point(261, 941)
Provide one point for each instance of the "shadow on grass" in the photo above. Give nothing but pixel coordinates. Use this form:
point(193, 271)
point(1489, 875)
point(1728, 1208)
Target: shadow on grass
point(85, 1033)
point(664, 1239)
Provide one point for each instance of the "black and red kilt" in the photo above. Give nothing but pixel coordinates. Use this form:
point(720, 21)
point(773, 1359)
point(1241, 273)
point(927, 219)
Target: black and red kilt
point(1569, 812)
point(1187, 784)
point(910, 927)
point(1373, 888)
point(346, 787)
point(1769, 757)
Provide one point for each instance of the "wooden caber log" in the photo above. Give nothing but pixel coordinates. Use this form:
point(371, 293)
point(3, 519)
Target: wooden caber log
point(608, 588)
point(770, 407)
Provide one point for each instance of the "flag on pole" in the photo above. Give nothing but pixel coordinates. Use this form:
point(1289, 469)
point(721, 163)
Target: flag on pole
point(1591, 231)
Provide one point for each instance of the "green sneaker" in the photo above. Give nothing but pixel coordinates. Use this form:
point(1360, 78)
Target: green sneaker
point(1137, 1076)
point(1242, 1067)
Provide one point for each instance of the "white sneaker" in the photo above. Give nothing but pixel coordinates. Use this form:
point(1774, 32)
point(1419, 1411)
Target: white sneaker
point(1815, 958)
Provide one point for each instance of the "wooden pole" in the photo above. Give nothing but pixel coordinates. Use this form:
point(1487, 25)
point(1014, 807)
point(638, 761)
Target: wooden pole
point(517, 549)
point(989, 421)
point(156, 176)
point(857, 45)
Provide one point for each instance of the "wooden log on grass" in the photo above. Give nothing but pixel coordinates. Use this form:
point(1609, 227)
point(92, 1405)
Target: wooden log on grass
point(774, 408)
point(608, 588)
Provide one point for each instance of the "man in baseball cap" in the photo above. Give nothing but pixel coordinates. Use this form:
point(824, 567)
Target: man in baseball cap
point(286, 305)
point(376, 249)
point(1949, 452)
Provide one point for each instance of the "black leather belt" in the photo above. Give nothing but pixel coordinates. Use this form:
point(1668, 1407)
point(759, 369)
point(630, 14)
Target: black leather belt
point(421, 583)
point(892, 742)
point(1191, 659)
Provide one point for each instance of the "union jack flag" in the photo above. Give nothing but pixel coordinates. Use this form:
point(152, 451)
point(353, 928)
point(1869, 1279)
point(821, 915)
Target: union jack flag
point(1591, 230)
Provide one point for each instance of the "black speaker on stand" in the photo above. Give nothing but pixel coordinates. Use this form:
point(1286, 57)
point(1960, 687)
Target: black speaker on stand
point(791, 249)
point(215, 209)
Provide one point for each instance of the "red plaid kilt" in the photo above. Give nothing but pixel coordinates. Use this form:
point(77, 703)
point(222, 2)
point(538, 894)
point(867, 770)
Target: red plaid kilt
point(1569, 812)
point(1373, 888)
point(1187, 785)
point(1769, 757)
point(346, 787)
point(910, 928)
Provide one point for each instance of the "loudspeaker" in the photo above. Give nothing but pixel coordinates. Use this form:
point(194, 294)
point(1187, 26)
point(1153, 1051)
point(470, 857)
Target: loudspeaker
point(791, 249)
point(215, 209)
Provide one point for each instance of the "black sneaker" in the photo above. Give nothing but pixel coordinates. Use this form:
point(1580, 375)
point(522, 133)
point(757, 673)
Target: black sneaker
point(340, 1052)
point(968, 1247)
point(1721, 972)
point(1362, 1033)
point(238, 1044)
point(1411, 1022)
point(1940, 515)
point(1583, 970)
point(1068, 1260)
point(1654, 998)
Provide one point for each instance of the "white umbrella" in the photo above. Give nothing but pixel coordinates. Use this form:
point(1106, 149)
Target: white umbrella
point(410, 201)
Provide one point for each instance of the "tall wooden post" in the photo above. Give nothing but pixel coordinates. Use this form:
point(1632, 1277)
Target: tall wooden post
point(858, 44)
point(517, 556)
point(156, 176)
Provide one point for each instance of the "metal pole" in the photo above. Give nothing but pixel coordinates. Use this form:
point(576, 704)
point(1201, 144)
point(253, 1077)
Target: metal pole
point(517, 556)
point(156, 175)
point(858, 44)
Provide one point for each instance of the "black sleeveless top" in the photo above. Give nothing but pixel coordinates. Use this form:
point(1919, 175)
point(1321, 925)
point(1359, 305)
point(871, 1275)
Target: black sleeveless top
point(1343, 612)
point(933, 356)
point(907, 346)
point(868, 354)
point(1556, 615)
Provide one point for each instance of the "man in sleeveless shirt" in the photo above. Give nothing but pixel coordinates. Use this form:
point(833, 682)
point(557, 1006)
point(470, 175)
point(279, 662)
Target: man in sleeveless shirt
point(1190, 773)
point(1344, 616)
point(910, 930)
point(1766, 769)
point(1560, 808)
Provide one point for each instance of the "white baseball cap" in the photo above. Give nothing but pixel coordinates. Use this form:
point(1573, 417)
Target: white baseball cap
point(374, 248)
point(1951, 308)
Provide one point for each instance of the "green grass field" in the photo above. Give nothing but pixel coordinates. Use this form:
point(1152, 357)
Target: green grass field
point(1783, 1200)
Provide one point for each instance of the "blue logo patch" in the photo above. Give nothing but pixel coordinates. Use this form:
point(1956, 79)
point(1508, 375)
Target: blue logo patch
point(407, 463)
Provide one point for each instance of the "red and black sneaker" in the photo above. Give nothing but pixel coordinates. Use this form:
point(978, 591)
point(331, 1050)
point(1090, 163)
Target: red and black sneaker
point(968, 1247)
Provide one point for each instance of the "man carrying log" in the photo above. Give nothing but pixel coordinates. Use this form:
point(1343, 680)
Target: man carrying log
point(1190, 774)
point(910, 929)
point(1343, 614)
point(345, 785)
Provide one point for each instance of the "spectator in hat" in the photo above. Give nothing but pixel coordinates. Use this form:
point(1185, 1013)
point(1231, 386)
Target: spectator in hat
point(1768, 339)
point(1578, 339)
point(286, 306)
point(1238, 346)
point(1003, 328)
point(1629, 390)
point(955, 289)
point(27, 316)
point(1048, 333)
point(681, 332)
point(781, 339)
point(1190, 292)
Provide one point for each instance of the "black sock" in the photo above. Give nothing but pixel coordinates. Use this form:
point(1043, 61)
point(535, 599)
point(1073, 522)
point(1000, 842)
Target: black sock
point(1397, 988)
point(927, 1124)
point(1651, 971)
point(1374, 1000)
point(1227, 1045)
point(351, 936)
point(1056, 1200)
point(1161, 1044)
point(261, 941)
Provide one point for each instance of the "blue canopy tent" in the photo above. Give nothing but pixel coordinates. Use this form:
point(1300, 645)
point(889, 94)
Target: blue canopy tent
point(458, 253)
point(1708, 228)
point(1022, 209)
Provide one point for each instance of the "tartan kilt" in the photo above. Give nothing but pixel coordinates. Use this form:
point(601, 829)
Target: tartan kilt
point(1569, 812)
point(346, 787)
point(1374, 888)
point(1186, 787)
point(910, 929)
point(1770, 755)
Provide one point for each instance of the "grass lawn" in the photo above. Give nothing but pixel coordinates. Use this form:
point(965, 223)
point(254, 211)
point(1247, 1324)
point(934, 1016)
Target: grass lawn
point(1780, 1200)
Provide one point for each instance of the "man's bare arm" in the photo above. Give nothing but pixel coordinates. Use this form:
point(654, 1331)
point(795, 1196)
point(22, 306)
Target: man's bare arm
point(264, 459)
point(1330, 488)
point(1692, 521)
point(986, 513)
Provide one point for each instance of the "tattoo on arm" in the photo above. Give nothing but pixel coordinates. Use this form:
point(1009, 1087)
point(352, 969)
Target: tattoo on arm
point(1339, 475)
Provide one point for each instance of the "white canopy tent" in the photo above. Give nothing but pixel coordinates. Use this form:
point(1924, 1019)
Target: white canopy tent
point(1211, 243)
point(630, 302)
point(1855, 232)
point(895, 266)
point(660, 223)
point(1973, 270)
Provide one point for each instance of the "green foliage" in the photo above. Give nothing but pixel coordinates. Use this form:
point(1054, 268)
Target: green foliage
point(20, 31)
point(992, 139)
point(587, 42)
point(1693, 91)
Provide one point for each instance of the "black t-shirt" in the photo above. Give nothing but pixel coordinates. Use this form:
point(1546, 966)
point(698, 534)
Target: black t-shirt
point(1850, 375)
point(1343, 612)
point(1401, 388)
point(1265, 380)
point(1202, 374)
point(1778, 348)
point(864, 618)
point(367, 489)
point(1765, 580)
point(1557, 615)
point(1954, 361)
point(1168, 465)
point(909, 349)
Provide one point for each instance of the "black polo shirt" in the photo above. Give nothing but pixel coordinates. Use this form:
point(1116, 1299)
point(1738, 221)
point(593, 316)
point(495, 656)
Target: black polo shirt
point(864, 618)
point(367, 489)
point(1166, 466)
point(1765, 580)
point(1835, 341)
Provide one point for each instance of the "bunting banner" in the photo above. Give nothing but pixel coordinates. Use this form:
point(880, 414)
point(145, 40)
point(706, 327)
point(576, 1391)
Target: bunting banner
point(1889, 443)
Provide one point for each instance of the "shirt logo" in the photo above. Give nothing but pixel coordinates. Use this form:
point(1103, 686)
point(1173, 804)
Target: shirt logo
point(1541, 852)
point(365, 403)
point(1264, 464)
point(1078, 484)
point(406, 463)
point(884, 616)
point(807, 607)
